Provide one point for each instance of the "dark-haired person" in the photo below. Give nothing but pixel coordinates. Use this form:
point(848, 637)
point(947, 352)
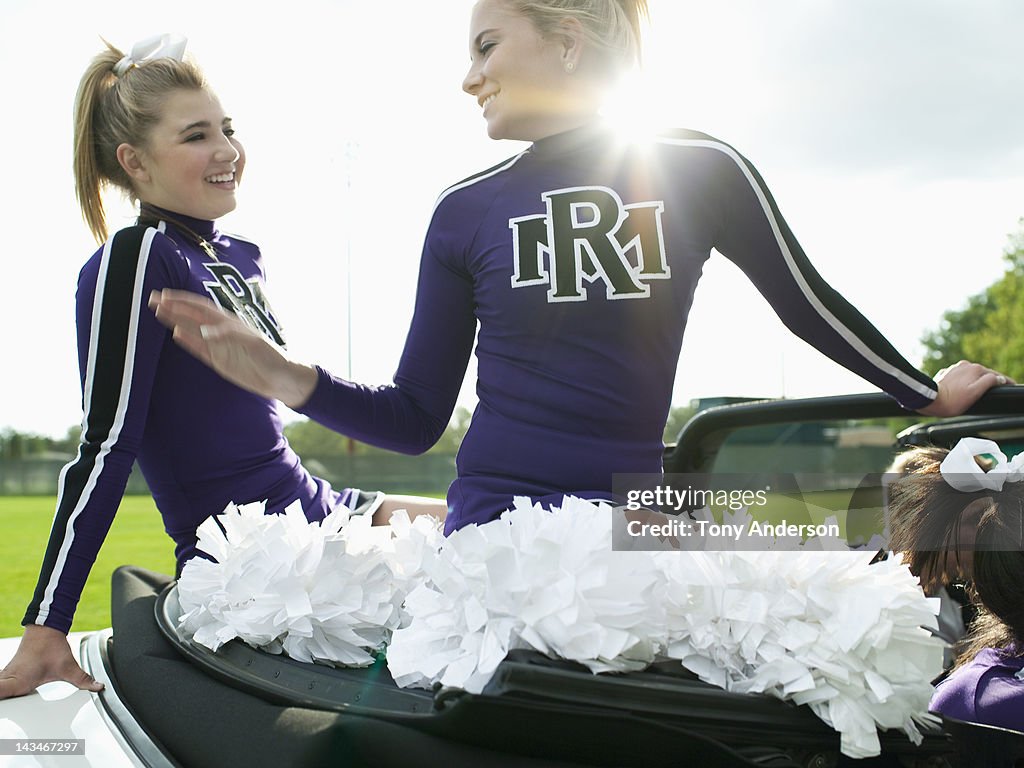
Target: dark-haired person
point(959, 515)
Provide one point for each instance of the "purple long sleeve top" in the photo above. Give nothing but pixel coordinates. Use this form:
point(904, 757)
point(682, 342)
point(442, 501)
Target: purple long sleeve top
point(574, 266)
point(199, 441)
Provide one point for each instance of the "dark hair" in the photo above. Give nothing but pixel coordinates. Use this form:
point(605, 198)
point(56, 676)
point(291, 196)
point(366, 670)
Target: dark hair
point(998, 575)
point(938, 529)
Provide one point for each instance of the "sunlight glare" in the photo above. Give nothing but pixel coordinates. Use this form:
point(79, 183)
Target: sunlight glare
point(632, 107)
point(672, 83)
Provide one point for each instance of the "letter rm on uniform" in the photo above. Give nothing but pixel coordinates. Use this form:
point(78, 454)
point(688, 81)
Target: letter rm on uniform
point(589, 234)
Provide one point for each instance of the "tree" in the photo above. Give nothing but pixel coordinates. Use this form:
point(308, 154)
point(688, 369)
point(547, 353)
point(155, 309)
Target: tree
point(990, 328)
point(945, 346)
point(70, 441)
point(308, 438)
point(450, 441)
point(677, 417)
point(21, 445)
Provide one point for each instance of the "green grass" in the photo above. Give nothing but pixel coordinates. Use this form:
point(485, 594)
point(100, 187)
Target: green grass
point(137, 538)
point(814, 507)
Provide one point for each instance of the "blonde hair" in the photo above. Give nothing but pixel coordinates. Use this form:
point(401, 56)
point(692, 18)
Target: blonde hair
point(112, 110)
point(612, 26)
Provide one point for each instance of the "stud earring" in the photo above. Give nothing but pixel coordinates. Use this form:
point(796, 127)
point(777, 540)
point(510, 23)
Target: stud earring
point(570, 67)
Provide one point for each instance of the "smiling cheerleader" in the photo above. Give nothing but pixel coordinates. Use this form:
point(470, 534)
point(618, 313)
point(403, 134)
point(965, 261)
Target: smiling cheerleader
point(147, 124)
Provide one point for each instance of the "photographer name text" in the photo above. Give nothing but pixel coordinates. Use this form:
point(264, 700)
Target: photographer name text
point(734, 531)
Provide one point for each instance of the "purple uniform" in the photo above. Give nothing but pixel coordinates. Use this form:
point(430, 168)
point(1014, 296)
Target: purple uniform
point(578, 258)
point(986, 691)
point(200, 441)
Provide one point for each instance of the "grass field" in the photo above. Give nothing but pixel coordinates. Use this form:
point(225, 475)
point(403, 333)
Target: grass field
point(136, 538)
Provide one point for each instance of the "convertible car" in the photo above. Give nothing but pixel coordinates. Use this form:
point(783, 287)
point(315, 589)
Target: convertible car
point(170, 702)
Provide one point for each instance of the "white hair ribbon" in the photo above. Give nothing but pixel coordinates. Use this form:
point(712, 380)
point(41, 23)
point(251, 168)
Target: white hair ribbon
point(962, 472)
point(165, 46)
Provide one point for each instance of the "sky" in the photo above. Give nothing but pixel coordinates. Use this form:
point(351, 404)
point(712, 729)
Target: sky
point(891, 133)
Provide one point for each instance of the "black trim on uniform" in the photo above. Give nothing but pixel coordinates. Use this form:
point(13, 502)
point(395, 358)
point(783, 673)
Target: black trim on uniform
point(102, 399)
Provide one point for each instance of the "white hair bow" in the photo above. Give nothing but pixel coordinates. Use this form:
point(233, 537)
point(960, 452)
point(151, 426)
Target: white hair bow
point(961, 471)
point(165, 46)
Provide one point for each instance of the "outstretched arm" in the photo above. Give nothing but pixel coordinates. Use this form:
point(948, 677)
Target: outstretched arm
point(756, 237)
point(407, 416)
point(231, 348)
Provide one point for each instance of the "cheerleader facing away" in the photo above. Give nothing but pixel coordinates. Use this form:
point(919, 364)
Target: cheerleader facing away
point(573, 264)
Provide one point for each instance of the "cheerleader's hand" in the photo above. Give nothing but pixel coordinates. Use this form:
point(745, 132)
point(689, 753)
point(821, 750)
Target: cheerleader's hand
point(960, 385)
point(43, 656)
point(238, 353)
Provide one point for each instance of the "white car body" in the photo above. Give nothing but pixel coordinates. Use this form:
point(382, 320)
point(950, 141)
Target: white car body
point(59, 712)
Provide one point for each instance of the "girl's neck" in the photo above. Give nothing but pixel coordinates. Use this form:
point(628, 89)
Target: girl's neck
point(204, 228)
point(199, 231)
point(571, 140)
point(571, 121)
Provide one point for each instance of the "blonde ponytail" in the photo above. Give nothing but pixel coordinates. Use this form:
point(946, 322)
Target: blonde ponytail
point(89, 175)
point(112, 110)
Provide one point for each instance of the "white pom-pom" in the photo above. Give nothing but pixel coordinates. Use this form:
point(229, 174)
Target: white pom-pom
point(825, 629)
point(546, 580)
point(787, 618)
point(782, 617)
point(318, 592)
